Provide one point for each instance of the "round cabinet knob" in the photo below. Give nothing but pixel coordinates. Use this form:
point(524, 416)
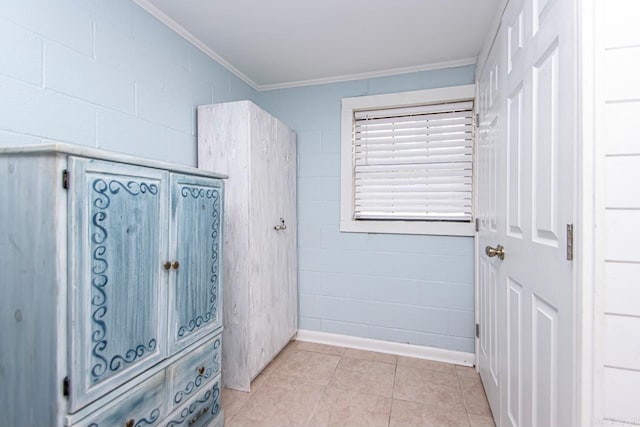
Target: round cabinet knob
point(167, 265)
point(129, 423)
point(201, 370)
point(176, 265)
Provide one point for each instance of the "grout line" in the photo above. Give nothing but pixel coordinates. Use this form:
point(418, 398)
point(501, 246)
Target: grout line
point(621, 101)
point(135, 99)
point(94, 55)
point(621, 368)
point(393, 390)
point(43, 58)
point(617, 155)
point(324, 390)
point(380, 252)
point(623, 315)
point(368, 360)
point(462, 395)
point(611, 208)
point(388, 303)
point(623, 47)
point(374, 276)
point(361, 392)
point(621, 261)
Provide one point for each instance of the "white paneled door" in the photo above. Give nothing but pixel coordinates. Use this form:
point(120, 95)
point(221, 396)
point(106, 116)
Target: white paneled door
point(526, 190)
point(487, 151)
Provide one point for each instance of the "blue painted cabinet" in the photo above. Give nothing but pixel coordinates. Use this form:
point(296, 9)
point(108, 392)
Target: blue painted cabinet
point(111, 306)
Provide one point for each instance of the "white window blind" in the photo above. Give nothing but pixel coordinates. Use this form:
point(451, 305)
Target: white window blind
point(414, 163)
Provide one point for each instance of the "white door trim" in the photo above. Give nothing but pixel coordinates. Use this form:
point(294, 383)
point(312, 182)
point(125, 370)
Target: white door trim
point(588, 407)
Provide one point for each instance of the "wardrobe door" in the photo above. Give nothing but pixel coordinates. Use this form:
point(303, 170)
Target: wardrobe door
point(273, 299)
point(117, 244)
point(288, 241)
point(194, 279)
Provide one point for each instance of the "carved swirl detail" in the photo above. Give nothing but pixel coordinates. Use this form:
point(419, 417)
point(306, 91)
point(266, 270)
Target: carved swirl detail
point(216, 355)
point(197, 192)
point(184, 414)
point(214, 194)
point(131, 355)
point(216, 406)
point(192, 385)
point(153, 417)
point(103, 191)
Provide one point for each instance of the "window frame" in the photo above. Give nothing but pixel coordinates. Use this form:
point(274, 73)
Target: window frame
point(395, 100)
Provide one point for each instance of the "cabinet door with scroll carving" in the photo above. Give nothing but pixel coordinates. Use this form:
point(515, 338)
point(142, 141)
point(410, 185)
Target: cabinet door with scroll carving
point(195, 279)
point(118, 244)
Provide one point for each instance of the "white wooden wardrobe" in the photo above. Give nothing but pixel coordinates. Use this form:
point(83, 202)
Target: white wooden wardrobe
point(260, 265)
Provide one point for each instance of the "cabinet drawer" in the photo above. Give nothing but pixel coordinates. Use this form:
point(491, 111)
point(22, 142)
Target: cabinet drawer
point(189, 374)
point(200, 409)
point(141, 406)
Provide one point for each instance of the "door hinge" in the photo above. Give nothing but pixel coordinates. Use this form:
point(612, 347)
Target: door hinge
point(477, 330)
point(477, 119)
point(570, 242)
point(477, 224)
point(65, 387)
point(65, 179)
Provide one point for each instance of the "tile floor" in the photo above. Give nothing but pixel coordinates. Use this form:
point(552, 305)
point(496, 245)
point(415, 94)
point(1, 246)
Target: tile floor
point(317, 385)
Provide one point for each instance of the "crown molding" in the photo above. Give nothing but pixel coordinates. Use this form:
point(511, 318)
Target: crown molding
point(494, 28)
point(184, 33)
point(371, 74)
point(171, 23)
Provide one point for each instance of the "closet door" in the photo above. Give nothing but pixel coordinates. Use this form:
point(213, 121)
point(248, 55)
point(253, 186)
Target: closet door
point(117, 237)
point(196, 243)
point(287, 241)
point(273, 300)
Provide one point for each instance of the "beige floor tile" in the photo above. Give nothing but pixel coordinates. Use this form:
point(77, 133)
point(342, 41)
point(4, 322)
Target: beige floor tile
point(409, 414)
point(279, 404)
point(466, 371)
point(364, 376)
point(371, 355)
point(232, 400)
point(432, 388)
point(288, 350)
point(320, 348)
point(259, 381)
point(475, 399)
point(272, 366)
point(481, 421)
point(307, 367)
point(344, 408)
point(284, 354)
point(261, 378)
point(430, 365)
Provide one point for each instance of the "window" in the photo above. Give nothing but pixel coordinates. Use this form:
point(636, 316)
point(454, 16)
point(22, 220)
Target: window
point(407, 162)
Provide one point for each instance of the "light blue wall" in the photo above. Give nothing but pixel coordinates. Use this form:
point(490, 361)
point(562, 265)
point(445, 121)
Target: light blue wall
point(104, 73)
point(409, 289)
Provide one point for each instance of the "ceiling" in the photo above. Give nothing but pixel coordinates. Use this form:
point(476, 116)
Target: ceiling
point(280, 43)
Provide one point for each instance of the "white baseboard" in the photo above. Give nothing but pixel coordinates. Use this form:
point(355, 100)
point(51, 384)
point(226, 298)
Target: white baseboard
point(400, 349)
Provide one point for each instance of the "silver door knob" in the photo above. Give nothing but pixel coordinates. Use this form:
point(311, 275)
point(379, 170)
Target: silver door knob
point(280, 226)
point(497, 251)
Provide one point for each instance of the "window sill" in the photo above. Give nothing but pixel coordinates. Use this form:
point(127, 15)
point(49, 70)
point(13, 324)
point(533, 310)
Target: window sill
point(409, 227)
